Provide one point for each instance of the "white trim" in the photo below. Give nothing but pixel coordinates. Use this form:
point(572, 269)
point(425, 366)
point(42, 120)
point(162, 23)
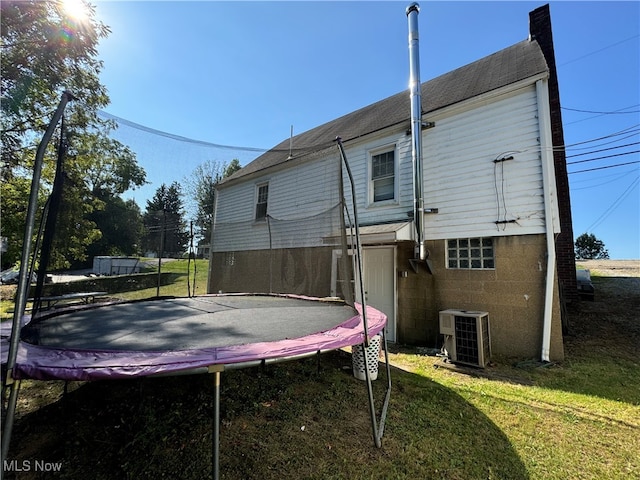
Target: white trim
point(392, 336)
point(371, 152)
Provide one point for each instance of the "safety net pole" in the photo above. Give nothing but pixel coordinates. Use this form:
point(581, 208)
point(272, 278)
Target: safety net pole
point(23, 280)
point(377, 427)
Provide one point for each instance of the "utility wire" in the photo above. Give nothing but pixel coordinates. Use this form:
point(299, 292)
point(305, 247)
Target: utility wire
point(602, 150)
point(598, 51)
point(616, 177)
point(614, 112)
point(603, 157)
point(604, 168)
point(614, 205)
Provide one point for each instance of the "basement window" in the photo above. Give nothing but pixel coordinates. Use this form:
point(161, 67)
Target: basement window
point(470, 253)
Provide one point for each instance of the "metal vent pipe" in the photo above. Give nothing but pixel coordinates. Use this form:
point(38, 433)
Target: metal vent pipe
point(416, 129)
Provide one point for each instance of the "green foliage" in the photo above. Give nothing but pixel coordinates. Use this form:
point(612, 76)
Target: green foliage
point(15, 197)
point(164, 223)
point(121, 225)
point(232, 168)
point(588, 247)
point(200, 187)
point(45, 52)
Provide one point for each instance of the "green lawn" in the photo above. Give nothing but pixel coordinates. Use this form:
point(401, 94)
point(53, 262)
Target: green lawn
point(579, 419)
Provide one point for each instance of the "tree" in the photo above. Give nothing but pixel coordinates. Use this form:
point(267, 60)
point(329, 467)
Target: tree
point(166, 231)
point(120, 223)
point(200, 187)
point(232, 168)
point(44, 52)
point(588, 247)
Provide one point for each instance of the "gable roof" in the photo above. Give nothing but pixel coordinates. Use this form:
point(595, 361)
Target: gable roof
point(518, 62)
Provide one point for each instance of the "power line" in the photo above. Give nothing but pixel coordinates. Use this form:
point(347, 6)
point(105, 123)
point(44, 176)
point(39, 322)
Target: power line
point(602, 150)
point(599, 50)
point(614, 205)
point(631, 129)
point(614, 112)
point(603, 168)
point(614, 177)
point(603, 157)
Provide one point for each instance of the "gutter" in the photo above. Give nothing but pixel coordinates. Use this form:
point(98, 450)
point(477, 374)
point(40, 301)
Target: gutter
point(546, 156)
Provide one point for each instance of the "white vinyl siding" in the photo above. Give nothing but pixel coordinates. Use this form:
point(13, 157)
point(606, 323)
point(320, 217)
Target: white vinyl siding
point(470, 191)
point(359, 156)
point(307, 190)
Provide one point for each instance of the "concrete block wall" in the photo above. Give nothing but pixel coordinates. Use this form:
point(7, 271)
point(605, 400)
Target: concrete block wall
point(513, 294)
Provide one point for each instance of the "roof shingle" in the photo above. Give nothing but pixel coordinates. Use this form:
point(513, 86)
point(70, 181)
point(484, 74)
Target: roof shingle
point(518, 62)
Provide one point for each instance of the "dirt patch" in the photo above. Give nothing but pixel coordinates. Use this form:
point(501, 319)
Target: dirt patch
point(611, 322)
point(612, 268)
point(7, 292)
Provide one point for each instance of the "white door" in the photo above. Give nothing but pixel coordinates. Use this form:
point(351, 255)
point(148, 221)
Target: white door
point(379, 284)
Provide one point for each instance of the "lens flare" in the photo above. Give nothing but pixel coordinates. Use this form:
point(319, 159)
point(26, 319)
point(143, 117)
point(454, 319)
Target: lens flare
point(77, 10)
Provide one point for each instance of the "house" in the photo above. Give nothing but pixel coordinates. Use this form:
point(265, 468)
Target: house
point(497, 218)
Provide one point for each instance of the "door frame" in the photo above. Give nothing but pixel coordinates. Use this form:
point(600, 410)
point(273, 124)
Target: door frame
point(391, 335)
point(336, 254)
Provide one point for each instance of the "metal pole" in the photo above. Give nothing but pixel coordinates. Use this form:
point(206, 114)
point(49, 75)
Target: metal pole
point(216, 426)
point(161, 253)
point(416, 128)
point(363, 300)
point(23, 281)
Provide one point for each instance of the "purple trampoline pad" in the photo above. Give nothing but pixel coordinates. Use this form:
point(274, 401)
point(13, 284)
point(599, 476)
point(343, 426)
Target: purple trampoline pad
point(170, 335)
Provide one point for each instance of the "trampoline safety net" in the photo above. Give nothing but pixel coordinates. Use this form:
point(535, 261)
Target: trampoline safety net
point(301, 253)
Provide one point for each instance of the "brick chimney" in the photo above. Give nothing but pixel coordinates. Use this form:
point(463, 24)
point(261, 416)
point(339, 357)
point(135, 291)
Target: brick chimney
point(540, 31)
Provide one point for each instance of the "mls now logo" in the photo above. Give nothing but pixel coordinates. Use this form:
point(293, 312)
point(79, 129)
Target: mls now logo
point(31, 465)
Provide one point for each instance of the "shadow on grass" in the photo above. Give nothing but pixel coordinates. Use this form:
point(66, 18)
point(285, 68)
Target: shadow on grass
point(285, 421)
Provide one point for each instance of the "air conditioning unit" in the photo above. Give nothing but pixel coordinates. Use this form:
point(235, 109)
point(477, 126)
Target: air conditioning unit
point(466, 336)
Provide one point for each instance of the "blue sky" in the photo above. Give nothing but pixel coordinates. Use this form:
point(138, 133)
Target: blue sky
point(242, 73)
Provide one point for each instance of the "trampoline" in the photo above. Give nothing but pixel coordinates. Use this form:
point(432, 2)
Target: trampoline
point(184, 335)
point(180, 336)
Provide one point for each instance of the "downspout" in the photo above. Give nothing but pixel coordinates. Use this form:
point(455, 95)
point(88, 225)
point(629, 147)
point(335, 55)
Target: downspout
point(416, 129)
point(546, 156)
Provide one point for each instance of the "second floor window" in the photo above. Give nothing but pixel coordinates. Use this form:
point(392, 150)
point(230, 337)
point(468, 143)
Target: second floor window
point(383, 176)
point(262, 196)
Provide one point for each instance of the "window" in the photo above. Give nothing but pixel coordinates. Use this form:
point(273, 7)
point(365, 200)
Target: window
point(470, 253)
point(262, 196)
point(383, 181)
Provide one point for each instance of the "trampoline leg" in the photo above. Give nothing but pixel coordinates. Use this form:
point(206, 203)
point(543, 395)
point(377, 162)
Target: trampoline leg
point(372, 407)
point(14, 387)
point(378, 429)
point(216, 427)
point(385, 405)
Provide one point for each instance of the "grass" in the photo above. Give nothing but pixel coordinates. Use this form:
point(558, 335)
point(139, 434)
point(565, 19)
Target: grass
point(179, 288)
point(579, 419)
point(195, 272)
